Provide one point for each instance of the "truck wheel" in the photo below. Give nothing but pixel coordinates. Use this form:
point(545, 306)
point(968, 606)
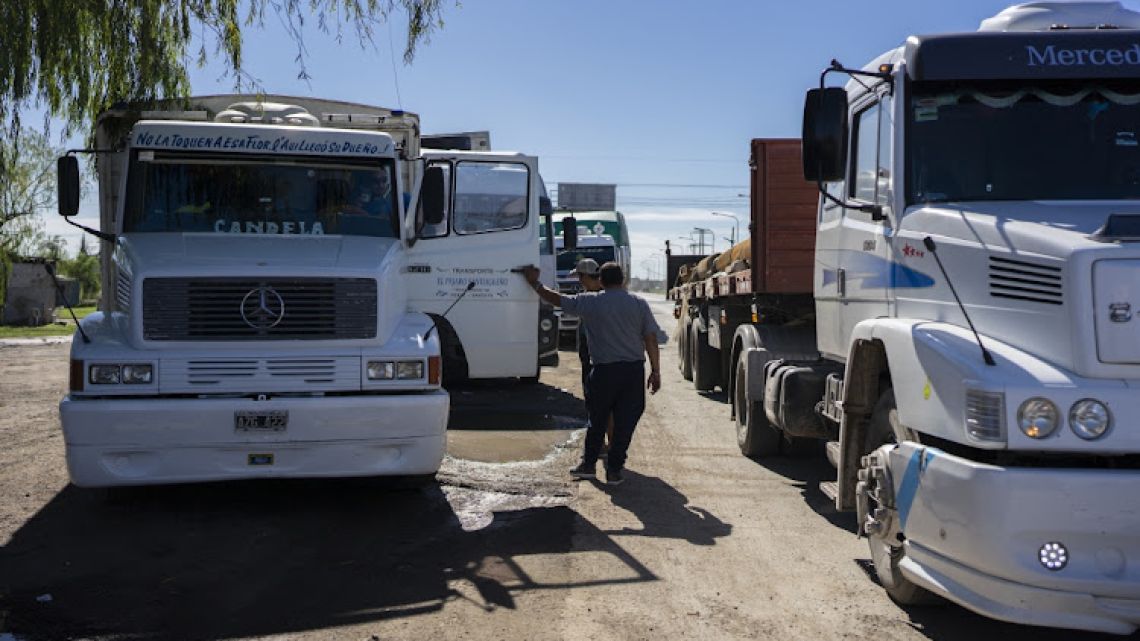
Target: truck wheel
point(684, 345)
point(755, 436)
point(705, 360)
point(886, 546)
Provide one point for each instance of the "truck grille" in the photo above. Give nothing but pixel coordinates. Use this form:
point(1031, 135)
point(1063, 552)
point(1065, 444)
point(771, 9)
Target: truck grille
point(221, 309)
point(1023, 280)
point(205, 375)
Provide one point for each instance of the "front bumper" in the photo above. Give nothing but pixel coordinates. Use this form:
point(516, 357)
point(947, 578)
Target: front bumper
point(974, 533)
point(113, 442)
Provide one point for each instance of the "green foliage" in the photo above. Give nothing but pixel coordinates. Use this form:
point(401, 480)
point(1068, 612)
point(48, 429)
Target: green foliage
point(27, 191)
point(77, 57)
point(85, 269)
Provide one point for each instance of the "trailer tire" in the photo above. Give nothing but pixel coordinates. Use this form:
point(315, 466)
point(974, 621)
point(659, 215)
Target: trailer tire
point(754, 434)
point(705, 360)
point(883, 429)
point(683, 346)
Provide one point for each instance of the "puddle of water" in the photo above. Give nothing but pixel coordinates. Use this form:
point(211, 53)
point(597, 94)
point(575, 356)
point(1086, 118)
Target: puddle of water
point(504, 446)
point(463, 418)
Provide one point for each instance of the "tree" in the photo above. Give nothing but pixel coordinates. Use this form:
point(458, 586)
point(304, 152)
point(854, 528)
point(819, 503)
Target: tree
point(77, 57)
point(85, 269)
point(27, 190)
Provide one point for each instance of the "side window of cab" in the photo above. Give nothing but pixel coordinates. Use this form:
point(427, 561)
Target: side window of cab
point(871, 154)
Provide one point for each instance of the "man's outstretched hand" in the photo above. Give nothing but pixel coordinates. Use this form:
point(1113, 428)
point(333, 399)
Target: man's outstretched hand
point(531, 274)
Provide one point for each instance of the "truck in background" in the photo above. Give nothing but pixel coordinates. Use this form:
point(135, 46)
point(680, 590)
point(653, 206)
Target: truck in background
point(273, 309)
point(610, 224)
point(971, 358)
point(762, 282)
point(548, 316)
point(600, 247)
point(459, 141)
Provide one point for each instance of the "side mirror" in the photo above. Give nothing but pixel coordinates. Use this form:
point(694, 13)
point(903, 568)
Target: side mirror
point(67, 182)
point(433, 195)
point(544, 206)
point(825, 135)
point(569, 233)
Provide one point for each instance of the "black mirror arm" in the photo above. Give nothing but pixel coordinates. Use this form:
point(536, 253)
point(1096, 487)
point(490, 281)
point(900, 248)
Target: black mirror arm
point(884, 74)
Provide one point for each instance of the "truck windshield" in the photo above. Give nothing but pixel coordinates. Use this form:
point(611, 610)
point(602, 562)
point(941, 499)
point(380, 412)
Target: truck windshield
point(1061, 141)
point(568, 259)
point(259, 195)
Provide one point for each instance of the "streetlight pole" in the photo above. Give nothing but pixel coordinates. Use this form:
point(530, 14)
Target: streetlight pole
point(735, 225)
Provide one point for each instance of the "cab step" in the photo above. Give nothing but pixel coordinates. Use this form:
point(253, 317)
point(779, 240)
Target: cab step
point(830, 489)
point(833, 453)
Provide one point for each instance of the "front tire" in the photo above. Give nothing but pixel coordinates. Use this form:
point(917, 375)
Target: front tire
point(885, 429)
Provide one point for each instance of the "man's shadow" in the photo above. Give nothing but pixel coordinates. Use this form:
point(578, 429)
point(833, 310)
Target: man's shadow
point(663, 511)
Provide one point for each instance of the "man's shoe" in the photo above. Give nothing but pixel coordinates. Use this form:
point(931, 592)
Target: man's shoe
point(613, 477)
point(584, 471)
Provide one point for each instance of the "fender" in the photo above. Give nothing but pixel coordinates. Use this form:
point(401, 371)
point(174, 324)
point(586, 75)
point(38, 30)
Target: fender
point(763, 343)
point(934, 364)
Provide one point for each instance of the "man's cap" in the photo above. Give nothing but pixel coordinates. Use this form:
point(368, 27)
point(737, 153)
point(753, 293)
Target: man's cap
point(587, 267)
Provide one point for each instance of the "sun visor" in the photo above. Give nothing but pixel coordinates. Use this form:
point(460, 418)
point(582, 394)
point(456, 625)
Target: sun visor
point(1058, 55)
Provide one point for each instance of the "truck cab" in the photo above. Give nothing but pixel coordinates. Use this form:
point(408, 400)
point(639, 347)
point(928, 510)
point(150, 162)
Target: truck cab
point(286, 283)
point(975, 281)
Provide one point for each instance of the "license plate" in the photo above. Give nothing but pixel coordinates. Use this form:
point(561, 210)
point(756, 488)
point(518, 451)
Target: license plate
point(269, 421)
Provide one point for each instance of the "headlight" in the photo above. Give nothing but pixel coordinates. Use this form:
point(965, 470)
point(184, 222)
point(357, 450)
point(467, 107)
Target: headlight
point(104, 374)
point(381, 370)
point(546, 325)
point(1038, 417)
point(138, 374)
point(409, 370)
point(1089, 419)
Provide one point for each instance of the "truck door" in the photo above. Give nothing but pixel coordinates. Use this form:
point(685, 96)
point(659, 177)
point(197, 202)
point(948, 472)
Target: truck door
point(490, 228)
point(865, 269)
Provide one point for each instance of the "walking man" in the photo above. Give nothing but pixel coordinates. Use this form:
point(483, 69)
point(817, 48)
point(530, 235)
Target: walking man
point(589, 275)
point(621, 331)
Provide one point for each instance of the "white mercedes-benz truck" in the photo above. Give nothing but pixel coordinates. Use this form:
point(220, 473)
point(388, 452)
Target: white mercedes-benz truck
point(286, 283)
point(976, 352)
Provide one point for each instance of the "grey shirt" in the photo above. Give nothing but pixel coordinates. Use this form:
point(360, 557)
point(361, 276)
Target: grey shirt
point(616, 322)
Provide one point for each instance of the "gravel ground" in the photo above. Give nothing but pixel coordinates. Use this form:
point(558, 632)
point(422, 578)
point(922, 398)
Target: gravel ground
point(699, 542)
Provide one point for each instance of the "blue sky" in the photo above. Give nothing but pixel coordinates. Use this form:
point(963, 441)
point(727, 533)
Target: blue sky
point(660, 98)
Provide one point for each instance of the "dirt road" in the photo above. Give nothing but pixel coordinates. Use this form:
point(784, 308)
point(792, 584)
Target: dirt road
point(699, 542)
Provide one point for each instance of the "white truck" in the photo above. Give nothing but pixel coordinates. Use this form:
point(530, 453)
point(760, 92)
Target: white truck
point(287, 282)
point(974, 351)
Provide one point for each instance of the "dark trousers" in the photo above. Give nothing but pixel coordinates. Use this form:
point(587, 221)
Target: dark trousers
point(618, 389)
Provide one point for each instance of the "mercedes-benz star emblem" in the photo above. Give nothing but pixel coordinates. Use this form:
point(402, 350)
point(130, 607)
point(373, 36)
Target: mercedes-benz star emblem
point(262, 308)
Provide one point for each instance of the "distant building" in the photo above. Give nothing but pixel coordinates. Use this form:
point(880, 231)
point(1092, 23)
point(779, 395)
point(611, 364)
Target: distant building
point(30, 295)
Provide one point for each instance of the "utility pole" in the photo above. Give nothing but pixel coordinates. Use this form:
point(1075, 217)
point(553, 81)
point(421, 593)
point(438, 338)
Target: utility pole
point(701, 232)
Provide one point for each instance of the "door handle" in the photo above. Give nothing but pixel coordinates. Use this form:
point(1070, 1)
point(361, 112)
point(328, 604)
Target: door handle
point(841, 282)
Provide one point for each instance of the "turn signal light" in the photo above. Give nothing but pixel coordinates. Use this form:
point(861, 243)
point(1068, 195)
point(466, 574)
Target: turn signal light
point(435, 369)
point(75, 383)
